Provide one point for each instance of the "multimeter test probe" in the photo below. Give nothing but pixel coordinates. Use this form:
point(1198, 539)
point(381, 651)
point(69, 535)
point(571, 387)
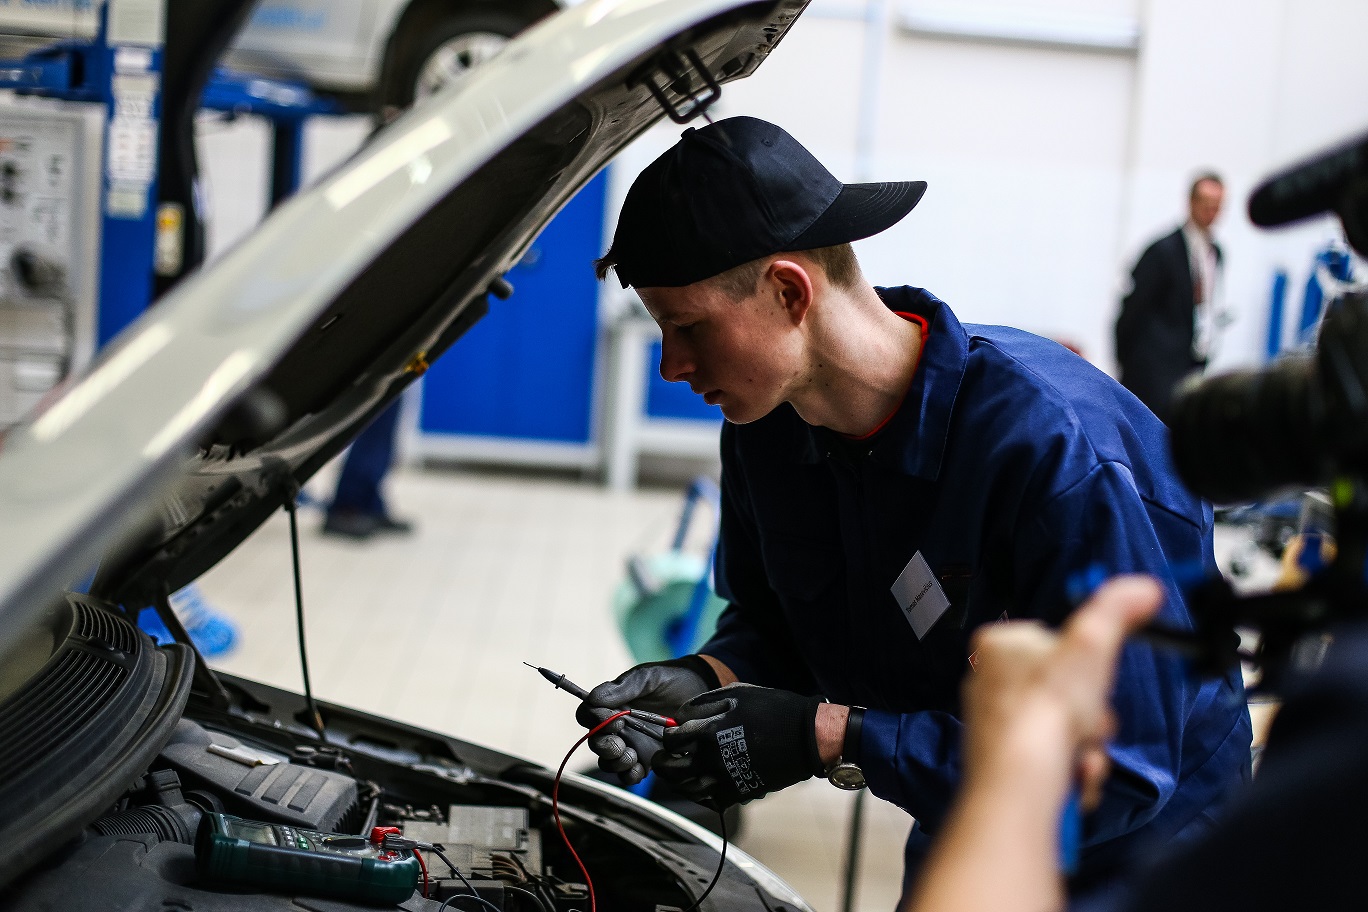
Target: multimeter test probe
point(635, 717)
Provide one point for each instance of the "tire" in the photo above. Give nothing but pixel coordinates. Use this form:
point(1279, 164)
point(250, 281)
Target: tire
point(433, 49)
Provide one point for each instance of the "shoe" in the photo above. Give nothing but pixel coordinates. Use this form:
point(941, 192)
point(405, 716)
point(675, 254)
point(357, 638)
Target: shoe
point(351, 524)
point(212, 633)
point(388, 524)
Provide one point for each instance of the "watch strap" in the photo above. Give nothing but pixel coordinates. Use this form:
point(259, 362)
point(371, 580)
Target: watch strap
point(850, 748)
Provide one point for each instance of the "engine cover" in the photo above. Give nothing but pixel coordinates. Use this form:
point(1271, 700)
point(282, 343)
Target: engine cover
point(256, 785)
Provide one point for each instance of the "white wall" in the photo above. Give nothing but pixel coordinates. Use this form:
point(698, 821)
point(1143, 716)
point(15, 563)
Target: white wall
point(1245, 87)
point(1050, 168)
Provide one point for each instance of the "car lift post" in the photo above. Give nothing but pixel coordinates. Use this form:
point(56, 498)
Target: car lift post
point(122, 68)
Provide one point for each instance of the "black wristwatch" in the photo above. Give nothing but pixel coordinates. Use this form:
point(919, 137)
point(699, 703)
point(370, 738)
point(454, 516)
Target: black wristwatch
point(846, 773)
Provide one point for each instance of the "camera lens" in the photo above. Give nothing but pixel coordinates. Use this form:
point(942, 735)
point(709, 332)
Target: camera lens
point(1243, 435)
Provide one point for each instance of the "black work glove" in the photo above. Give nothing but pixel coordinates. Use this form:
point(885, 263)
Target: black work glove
point(740, 742)
point(658, 687)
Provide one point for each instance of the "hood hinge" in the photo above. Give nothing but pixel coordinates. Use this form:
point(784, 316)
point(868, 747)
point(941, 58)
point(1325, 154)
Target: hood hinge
point(676, 67)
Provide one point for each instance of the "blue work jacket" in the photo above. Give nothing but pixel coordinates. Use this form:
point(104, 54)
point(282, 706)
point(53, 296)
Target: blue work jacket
point(1011, 466)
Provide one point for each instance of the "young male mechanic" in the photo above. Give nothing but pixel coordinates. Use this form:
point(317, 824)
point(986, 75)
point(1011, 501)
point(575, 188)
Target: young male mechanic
point(891, 480)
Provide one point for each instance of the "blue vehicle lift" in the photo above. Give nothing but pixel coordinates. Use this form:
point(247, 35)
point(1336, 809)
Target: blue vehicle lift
point(287, 105)
point(124, 73)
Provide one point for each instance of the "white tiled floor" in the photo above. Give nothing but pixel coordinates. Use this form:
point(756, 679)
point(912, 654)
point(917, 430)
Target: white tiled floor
point(433, 629)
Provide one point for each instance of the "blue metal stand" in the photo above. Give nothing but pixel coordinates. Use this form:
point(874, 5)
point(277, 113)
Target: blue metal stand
point(126, 77)
point(287, 105)
point(684, 632)
point(1277, 302)
point(124, 69)
point(1333, 263)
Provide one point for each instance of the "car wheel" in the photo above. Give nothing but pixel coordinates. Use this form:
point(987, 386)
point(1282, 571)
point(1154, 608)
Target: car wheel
point(429, 53)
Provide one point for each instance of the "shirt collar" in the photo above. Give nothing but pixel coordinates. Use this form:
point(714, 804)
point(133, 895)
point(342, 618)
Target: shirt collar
point(914, 439)
point(1196, 235)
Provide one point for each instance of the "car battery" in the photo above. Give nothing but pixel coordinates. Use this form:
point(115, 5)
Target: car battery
point(473, 835)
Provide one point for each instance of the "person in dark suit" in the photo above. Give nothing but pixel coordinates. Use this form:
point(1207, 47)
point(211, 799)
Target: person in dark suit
point(1168, 320)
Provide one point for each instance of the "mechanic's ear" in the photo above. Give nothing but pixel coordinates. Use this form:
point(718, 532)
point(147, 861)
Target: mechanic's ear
point(792, 284)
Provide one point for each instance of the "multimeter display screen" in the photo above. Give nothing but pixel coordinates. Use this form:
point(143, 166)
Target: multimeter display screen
point(252, 832)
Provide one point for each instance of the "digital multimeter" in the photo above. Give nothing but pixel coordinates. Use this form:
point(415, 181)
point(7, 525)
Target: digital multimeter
point(236, 852)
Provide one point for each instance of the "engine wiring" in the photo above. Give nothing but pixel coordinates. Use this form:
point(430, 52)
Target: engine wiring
point(555, 810)
point(503, 866)
point(555, 802)
point(543, 886)
point(459, 876)
point(395, 841)
point(423, 865)
point(535, 898)
point(463, 880)
point(446, 903)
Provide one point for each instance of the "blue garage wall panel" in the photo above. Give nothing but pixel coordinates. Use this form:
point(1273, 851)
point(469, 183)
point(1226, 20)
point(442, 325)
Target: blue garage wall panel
point(674, 400)
point(526, 370)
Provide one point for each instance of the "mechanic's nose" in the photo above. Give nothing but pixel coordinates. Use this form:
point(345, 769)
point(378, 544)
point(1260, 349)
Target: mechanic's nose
point(675, 363)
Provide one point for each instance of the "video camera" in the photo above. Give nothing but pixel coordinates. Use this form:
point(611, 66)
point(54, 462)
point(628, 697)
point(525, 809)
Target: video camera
point(1301, 422)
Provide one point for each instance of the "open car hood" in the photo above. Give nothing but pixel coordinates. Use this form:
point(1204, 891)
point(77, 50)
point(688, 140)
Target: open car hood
point(209, 412)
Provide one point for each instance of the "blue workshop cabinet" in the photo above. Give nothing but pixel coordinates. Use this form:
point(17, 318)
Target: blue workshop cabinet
point(525, 373)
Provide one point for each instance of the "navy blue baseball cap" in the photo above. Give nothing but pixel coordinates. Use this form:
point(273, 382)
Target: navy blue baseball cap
point(735, 191)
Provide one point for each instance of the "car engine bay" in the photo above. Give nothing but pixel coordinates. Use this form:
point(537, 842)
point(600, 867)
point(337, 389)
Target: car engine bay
point(141, 853)
point(254, 759)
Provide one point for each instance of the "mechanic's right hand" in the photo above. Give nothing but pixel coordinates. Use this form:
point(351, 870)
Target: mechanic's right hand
point(658, 687)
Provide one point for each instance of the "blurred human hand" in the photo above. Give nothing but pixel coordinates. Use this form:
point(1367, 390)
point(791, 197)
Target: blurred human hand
point(1037, 716)
point(1040, 700)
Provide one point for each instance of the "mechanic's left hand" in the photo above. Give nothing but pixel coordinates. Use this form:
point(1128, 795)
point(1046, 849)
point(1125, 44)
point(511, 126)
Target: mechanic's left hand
point(740, 742)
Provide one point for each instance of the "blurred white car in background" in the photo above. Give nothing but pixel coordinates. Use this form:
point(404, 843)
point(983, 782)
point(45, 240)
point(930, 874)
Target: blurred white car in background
point(368, 53)
point(375, 53)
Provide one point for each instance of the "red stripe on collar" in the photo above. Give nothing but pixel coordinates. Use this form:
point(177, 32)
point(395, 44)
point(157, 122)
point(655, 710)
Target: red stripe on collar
point(925, 330)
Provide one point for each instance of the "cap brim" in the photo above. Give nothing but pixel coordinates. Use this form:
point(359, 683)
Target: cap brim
point(859, 211)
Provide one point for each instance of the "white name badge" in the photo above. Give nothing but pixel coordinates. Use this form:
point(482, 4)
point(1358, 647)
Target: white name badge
point(919, 595)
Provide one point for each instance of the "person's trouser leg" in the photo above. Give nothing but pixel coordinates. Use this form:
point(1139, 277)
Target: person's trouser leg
point(364, 470)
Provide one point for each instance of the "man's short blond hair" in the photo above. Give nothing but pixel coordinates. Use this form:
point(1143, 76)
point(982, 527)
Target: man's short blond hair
point(839, 264)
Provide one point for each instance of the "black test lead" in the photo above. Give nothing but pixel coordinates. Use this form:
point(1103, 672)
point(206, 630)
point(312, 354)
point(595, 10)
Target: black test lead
point(561, 682)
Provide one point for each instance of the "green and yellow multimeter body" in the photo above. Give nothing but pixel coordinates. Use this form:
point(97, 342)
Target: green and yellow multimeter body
point(286, 859)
